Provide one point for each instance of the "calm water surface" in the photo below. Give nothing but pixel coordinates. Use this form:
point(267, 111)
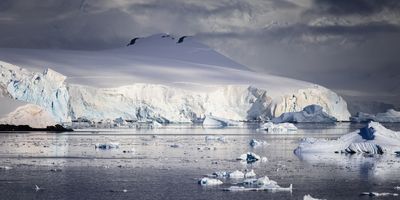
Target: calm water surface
point(151, 169)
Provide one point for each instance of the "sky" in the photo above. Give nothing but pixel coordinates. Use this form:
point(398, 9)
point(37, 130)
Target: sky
point(350, 46)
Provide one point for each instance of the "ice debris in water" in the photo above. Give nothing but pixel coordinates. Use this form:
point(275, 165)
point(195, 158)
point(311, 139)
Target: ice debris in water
point(110, 145)
point(215, 138)
point(373, 139)
point(397, 188)
point(260, 184)
point(236, 174)
point(255, 143)
point(209, 182)
point(309, 197)
point(278, 127)
point(5, 167)
point(377, 194)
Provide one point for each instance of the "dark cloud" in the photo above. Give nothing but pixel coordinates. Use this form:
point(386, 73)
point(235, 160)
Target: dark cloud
point(354, 7)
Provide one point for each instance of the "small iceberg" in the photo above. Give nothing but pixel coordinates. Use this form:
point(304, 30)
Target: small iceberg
point(256, 143)
point(372, 139)
point(260, 184)
point(209, 182)
point(110, 145)
point(279, 127)
point(5, 167)
point(212, 121)
point(309, 197)
point(249, 157)
point(311, 113)
point(220, 174)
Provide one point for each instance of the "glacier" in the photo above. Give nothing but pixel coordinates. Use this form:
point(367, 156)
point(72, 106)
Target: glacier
point(169, 83)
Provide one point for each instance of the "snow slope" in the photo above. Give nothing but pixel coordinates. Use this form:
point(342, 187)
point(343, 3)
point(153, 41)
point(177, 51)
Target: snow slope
point(155, 79)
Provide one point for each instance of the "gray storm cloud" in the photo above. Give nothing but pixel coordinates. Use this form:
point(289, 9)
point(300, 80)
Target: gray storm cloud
point(349, 46)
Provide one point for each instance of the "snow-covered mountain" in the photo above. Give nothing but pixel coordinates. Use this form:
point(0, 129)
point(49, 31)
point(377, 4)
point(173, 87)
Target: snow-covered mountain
point(157, 78)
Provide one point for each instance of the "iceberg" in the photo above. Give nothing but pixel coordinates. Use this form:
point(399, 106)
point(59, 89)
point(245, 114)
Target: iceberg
point(209, 182)
point(279, 127)
point(390, 116)
point(311, 113)
point(372, 139)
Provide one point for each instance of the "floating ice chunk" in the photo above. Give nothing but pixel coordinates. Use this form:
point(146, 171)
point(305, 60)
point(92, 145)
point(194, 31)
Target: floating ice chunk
point(397, 188)
point(215, 138)
point(250, 174)
point(256, 143)
point(110, 145)
point(377, 194)
point(278, 127)
point(212, 121)
point(260, 184)
point(311, 113)
point(364, 147)
point(221, 174)
point(236, 174)
point(374, 138)
point(250, 157)
point(264, 159)
point(209, 182)
point(309, 197)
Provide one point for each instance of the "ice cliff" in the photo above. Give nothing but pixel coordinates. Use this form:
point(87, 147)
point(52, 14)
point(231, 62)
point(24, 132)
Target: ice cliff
point(185, 90)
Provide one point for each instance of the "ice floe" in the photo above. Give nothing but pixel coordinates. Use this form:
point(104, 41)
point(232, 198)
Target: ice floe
point(250, 174)
point(278, 127)
point(377, 194)
point(110, 145)
point(372, 139)
point(209, 181)
point(256, 143)
point(309, 197)
point(311, 113)
point(260, 184)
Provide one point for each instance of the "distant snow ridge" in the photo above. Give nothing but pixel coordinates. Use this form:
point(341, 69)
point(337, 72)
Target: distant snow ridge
point(389, 116)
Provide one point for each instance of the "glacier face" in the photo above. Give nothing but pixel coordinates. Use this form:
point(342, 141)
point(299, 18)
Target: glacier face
point(158, 102)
